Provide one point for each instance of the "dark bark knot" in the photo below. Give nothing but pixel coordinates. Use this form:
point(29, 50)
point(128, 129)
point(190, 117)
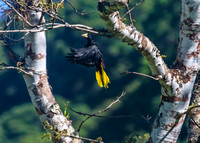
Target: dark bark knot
point(179, 65)
point(188, 22)
point(29, 53)
point(172, 99)
point(55, 109)
point(193, 36)
point(195, 54)
point(35, 91)
point(39, 111)
point(191, 9)
point(43, 87)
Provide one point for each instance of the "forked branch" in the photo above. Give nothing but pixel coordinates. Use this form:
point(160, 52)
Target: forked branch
point(101, 111)
point(108, 12)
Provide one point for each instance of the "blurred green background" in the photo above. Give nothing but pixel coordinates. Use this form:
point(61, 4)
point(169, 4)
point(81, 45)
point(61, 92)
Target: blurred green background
point(157, 19)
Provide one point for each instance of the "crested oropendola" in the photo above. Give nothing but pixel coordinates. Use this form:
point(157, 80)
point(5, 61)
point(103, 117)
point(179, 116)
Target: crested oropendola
point(90, 56)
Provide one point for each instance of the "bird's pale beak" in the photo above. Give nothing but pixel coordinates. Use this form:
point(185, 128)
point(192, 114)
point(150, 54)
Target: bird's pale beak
point(85, 35)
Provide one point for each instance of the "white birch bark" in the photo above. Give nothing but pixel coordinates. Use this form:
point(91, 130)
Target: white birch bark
point(194, 114)
point(38, 87)
point(176, 83)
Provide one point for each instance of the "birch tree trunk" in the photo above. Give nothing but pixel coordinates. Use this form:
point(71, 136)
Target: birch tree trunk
point(176, 83)
point(194, 115)
point(38, 87)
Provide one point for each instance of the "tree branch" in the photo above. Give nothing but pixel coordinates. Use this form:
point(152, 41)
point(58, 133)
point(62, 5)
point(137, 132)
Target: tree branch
point(136, 5)
point(79, 13)
point(55, 26)
point(15, 56)
point(25, 20)
point(86, 139)
point(108, 12)
point(155, 78)
point(18, 69)
point(102, 111)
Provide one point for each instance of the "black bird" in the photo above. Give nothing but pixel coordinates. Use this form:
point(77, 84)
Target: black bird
point(90, 56)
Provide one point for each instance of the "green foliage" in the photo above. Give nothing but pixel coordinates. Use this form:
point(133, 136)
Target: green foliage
point(100, 139)
point(164, 56)
point(20, 125)
point(191, 106)
point(52, 132)
point(65, 111)
point(46, 5)
point(136, 138)
point(53, 5)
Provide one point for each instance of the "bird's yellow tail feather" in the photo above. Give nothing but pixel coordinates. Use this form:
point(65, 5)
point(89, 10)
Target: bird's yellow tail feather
point(102, 78)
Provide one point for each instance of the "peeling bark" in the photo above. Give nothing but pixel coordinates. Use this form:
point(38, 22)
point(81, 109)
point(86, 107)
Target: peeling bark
point(38, 87)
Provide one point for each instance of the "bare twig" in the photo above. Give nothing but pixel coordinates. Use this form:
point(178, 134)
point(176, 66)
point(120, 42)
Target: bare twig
point(99, 112)
point(16, 40)
point(11, 20)
point(146, 118)
point(101, 116)
point(49, 13)
point(86, 139)
point(59, 5)
point(15, 56)
point(79, 13)
point(15, 68)
point(130, 17)
point(191, 108)
point(128, 12)
point(127, 72)
point(76, 26)
point(189, 114)
point(193, 120)
point(18, 13)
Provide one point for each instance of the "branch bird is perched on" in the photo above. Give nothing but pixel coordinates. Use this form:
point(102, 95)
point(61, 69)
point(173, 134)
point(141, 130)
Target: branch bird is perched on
point(90, 56)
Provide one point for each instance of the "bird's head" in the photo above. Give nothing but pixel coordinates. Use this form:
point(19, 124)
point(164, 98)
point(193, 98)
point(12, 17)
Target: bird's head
point(89, 38)
point(87, 35)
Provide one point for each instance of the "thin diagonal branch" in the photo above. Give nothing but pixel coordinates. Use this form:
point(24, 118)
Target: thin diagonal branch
point(155, 78)
point(76, 11)
point(102, 111)
point(16, 40)
point(193, 120)
point(15, 56)
point(129, 11)
point(86, 139)
point(101, 116)
point(25, 20)
point(11, 20)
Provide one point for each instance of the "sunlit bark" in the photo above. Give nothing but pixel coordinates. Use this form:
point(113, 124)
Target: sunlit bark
point(38, 86)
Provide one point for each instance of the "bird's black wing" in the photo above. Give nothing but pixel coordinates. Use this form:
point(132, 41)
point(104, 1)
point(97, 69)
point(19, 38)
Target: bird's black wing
point(88, 56)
